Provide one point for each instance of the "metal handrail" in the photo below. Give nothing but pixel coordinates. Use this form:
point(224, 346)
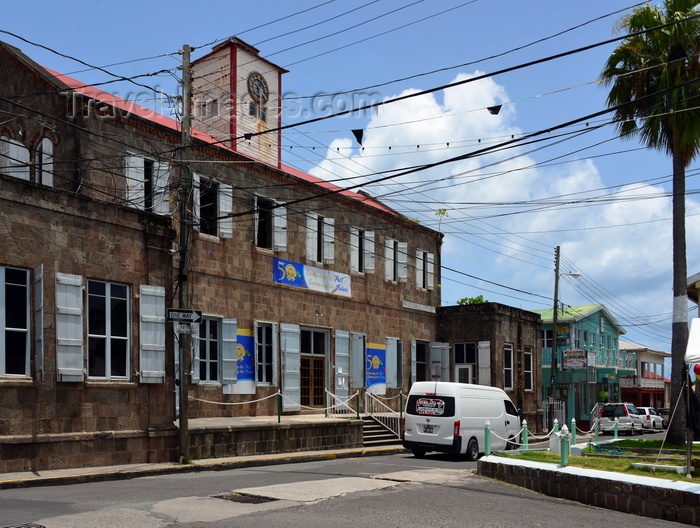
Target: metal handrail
point(383, 414)
point(339, 408)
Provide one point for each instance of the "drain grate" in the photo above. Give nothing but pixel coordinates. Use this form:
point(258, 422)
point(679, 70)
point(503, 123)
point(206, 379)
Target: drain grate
point(245, 499)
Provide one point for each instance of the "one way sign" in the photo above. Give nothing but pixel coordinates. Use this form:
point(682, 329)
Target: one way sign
point(175, 315)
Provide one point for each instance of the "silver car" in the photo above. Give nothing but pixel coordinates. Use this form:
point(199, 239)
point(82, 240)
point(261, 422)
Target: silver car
point(650, 418)
point(628, 418)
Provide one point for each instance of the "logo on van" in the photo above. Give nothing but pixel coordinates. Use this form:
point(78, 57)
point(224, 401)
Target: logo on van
point(430, 406)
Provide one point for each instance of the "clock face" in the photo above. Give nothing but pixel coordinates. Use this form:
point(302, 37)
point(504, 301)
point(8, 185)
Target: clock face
point(257, 87)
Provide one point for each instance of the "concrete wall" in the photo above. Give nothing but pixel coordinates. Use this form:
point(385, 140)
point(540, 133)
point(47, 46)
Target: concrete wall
point(649, 499)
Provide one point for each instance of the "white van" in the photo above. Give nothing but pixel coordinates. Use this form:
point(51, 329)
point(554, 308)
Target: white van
point(451, 418)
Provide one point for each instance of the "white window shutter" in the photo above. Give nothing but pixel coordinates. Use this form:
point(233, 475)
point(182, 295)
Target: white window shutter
point(134, 175)
point(196, 200)
point(39, 322)
point(279, 229)
point(419, 269)
point(311, 237)
point(342, 364)
point(152, 334)
point(46, 162)
point(391, 366)
point(161, 188)
point(389, 259)
point(369, 252)
point(402, 257)
point(225, 210)
point(194, 373)
point(69, 327)
point(484, 359)
point(229, 353)
point(328, 240)
point(290, 344)
point(431, 271)
point(355, 249)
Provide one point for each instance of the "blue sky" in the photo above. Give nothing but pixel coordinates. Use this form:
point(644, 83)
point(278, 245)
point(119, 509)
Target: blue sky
point(503, 213)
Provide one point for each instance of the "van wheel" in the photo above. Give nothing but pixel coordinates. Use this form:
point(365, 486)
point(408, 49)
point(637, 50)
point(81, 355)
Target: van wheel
point(418, 453)
point(472, 450)
point(510, 445)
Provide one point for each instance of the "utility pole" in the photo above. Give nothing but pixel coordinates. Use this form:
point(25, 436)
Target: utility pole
point(186, 201)
point(555, 321)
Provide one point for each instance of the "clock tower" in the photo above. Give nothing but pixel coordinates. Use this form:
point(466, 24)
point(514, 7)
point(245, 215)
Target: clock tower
point(236, 98)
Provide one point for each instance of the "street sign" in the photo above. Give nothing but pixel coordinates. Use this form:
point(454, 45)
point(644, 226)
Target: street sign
point(175, 315)
point(184, 329)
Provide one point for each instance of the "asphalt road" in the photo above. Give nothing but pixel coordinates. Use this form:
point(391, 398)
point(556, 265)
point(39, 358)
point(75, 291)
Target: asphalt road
point(383, 491)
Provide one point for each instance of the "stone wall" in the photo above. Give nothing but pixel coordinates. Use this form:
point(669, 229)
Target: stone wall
point(217, 442)
point(642, 498)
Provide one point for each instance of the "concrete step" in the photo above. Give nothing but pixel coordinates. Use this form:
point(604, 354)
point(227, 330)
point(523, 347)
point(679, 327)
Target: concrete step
point(374, 434)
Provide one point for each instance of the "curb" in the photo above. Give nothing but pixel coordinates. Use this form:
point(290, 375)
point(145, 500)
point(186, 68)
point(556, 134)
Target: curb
point(198, 466)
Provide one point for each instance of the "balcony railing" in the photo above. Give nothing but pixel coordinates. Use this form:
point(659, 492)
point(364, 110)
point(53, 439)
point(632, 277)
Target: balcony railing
point(621, 359)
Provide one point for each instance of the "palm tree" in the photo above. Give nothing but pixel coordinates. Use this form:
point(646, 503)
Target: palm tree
point(652, 77)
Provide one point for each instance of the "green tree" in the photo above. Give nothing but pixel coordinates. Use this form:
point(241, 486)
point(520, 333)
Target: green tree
point(651, 78)
point(472, 300)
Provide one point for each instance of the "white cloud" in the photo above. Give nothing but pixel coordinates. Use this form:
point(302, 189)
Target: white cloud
point(618, 239)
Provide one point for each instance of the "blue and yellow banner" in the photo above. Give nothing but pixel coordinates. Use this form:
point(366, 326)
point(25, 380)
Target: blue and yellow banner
point(376, 368)
point(308, 277)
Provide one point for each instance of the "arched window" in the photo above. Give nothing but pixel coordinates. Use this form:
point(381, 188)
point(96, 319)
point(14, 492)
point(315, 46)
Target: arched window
point(43, 162)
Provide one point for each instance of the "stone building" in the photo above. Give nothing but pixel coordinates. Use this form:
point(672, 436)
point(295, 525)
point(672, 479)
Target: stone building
point(304, 287)
point(497, 345)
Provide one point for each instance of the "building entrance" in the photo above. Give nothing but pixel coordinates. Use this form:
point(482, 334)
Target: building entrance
point(312, 384)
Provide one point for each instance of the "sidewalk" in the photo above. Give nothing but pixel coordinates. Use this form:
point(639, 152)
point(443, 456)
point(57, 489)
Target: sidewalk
point(57, 477)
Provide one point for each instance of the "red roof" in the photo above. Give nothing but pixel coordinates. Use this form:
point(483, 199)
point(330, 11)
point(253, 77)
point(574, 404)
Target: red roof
point(130, 107)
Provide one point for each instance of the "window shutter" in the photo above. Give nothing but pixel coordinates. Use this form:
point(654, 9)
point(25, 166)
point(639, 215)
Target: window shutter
point(329, 240)
point(402, 257)
point(355, 249)
point(431, 271)
point(152, 334)
point(161, 188)
point(69, 327)
point(391, 366)
point(413, 360)
point(290, 337)
point(369, 252)
point(484, 362)
point(135, 175)
point(389, 259)
point(46, 162)
point(229, 354)
point(39, 322)
point(357, 361)
point(342, 363)
point(419, 269)
point(311, 237)
point(225, 210)
point(279, 229)
point(194, 373)
point(196, 200)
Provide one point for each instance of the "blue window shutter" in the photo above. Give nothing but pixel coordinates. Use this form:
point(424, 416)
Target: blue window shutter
point(342, 363)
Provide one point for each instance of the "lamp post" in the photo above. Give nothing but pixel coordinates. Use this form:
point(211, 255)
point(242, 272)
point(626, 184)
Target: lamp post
point(555, 315)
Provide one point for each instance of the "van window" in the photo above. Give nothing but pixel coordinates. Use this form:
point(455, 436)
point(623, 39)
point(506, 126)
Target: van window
point(510, 408)
point(431, 405)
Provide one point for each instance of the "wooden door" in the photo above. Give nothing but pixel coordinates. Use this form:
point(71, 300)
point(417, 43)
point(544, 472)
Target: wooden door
point(312, 380)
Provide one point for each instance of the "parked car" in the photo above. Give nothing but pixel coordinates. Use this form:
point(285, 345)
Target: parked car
point(628, 418)
point(650, 418)
point(665, 417)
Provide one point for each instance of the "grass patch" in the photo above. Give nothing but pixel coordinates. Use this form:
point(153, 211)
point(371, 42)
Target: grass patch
point(616, 464)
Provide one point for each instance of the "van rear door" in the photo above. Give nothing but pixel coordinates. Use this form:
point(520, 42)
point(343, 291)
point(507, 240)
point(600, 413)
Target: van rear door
point(433, 418)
